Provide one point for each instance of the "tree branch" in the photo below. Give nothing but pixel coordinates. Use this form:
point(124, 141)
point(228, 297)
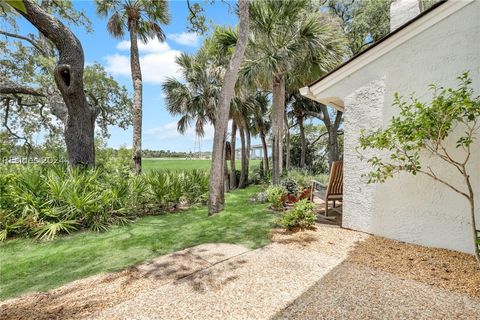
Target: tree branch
point(31, 41)
point(9, 130)
point(318, 138)
point(445, 157)
point(432, 174)
point(338, 120)
point(18, 89)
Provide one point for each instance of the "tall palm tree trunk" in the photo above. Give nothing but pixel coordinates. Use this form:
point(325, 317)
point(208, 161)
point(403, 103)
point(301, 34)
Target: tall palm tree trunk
point(278, 112)
point(249, 148)
point(303, 144)
point(137, 99)
point(216, 199)
point(287, 143)
point(233, 171)
point(226, 181)
point(243, 175)
point(266, 167)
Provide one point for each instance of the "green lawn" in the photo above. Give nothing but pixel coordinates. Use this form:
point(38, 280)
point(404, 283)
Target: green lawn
point(27, 265)
point(182, 164)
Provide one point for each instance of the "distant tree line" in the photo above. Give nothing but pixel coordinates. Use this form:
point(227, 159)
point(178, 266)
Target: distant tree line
point(146, 153)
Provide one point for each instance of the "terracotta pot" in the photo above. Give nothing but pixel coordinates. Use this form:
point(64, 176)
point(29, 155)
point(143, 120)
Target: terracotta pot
point(306, 193)
point(292, 198)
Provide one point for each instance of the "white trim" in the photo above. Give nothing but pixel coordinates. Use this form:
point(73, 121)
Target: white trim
point(384, 47)
point(334, 102)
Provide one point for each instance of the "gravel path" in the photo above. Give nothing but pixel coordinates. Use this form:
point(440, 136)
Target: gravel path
point(252, 285)
point(329, 273)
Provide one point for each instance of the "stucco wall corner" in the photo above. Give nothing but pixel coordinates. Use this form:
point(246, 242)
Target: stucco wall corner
point(363, 110)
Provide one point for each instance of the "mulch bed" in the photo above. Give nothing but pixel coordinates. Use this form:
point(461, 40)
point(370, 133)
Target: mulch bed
point(442, 268)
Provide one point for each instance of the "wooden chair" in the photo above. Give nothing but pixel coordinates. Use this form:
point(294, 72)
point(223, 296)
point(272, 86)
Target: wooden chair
point(334, 189)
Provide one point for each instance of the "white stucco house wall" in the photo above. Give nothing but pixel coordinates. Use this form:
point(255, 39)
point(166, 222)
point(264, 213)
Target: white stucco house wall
point(435, 47)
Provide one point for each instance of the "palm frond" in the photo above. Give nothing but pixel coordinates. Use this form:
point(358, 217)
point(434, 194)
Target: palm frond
point(116, 25)
point(50, 230)
point(145, 15)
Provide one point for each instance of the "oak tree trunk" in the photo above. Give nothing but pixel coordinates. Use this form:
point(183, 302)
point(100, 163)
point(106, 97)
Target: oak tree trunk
point(332, 129)
point(80, 121)
point(216, 199)
point(137, 99)
point(333, 154)
point(233, 173)
point(278, 112)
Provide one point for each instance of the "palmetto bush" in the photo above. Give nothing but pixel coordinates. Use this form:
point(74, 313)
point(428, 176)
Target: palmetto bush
point(44, 202)
point(170, 187)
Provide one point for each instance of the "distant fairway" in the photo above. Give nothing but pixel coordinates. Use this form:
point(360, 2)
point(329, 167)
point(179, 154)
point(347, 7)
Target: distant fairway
point(149, 164)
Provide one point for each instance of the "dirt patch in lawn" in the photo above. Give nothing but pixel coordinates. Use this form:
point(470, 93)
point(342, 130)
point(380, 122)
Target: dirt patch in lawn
point(442, 268)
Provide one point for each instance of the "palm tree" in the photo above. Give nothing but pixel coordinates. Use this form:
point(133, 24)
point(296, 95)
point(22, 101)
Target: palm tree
point(241, 107)
point(261, 122)
point(288, 36)
point(195, 99)
point(142, 19)
point(300, 106)
point(233, 170)
point(216, 198)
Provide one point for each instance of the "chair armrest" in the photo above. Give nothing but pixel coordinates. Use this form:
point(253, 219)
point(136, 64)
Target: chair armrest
point(315, 182)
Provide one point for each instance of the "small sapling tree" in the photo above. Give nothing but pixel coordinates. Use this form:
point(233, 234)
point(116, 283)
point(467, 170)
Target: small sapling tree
point(424, 127)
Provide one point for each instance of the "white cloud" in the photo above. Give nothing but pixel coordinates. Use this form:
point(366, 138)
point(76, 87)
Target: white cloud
point(157, 61)
point(169, 131)
point(184, 38)
point(152, 46)
point(118, 64)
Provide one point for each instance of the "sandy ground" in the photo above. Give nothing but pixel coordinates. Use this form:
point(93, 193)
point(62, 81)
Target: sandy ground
point(329, 273)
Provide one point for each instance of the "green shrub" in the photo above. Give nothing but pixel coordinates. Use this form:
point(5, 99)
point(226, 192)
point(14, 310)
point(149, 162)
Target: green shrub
point(275, 195)
point(196, 186)
point(302, 178)
point(169, 187)
point(47, 201)
point(290, 185)
point(259, 197)
point(301, 216)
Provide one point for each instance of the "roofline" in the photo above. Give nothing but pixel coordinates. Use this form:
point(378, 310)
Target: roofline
point(399, 29)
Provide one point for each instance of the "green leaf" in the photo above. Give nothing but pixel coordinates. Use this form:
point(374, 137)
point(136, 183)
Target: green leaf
point(3, 234)
point(17, 4)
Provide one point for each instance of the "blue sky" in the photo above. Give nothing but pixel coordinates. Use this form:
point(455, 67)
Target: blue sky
point(157, 62)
